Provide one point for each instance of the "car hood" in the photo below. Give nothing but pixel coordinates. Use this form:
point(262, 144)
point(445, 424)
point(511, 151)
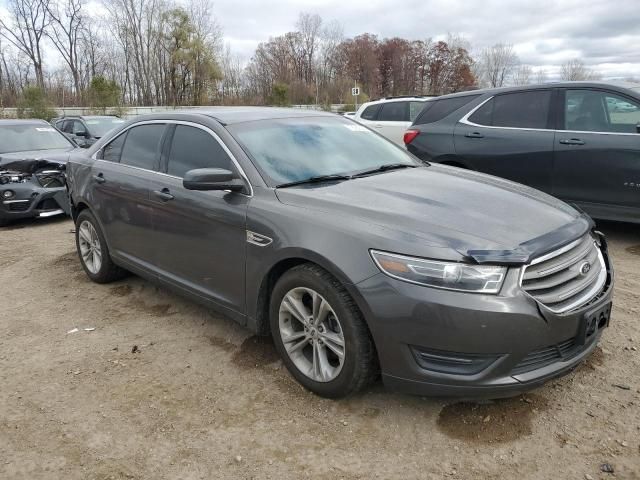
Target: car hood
point(31, 161)
point(485, 218)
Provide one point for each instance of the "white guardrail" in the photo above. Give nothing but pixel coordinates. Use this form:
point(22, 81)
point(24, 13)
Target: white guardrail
point(128, 112)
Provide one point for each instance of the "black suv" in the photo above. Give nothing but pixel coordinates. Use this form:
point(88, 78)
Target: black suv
point(579, 141)
point(86, 129)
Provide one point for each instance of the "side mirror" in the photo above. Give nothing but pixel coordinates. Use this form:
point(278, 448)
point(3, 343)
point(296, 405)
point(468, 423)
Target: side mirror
point(212, 179)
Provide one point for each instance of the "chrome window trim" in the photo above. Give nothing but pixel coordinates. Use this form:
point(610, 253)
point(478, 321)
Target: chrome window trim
point(584, 299)
point(465, 120)
point(215, 136)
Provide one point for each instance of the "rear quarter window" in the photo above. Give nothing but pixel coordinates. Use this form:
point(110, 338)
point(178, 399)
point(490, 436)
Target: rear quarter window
point(436, 110)
point(370, 112)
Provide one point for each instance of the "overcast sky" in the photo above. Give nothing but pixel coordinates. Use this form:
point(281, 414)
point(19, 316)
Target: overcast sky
point(604, 34)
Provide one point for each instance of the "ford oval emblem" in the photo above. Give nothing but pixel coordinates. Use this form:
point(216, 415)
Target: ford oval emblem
point(585, 267)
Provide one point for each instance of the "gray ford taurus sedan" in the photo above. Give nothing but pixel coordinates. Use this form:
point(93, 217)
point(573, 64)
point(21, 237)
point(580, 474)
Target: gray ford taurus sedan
point(356, 257)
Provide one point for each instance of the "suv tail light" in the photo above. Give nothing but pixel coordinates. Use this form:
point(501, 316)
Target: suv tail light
point(410, 135)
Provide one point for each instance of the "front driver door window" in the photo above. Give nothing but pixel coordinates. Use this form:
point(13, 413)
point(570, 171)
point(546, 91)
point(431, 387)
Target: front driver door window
point(597, 151)
point(201, 235)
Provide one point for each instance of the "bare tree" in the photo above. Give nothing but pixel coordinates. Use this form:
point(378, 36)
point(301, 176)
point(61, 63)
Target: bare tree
point(575, 70)
point(522, 75)
point(29, 21)
point(541, 75)
point(497, 63)
point(66, 33)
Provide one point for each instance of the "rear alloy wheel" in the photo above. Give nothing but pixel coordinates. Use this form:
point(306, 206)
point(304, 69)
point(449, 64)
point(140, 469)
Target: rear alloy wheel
point(93, 251)
point(89, 246)
point(320, 334)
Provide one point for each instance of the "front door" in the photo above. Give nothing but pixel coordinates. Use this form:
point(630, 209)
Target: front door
point(200, 235)
point(597, 152)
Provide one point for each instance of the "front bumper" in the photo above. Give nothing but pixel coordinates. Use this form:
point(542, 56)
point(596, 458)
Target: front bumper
point(32, 200)
point(444, 343)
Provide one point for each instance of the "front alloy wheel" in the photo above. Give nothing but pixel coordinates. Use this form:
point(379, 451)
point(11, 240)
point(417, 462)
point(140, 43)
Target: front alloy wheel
point(311, 334)
point(320, 333)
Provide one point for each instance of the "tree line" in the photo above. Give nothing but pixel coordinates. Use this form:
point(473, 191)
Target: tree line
point(161, 52)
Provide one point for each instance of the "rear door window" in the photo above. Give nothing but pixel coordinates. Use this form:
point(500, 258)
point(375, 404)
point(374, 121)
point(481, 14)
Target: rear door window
point(142, 146)
point(394, 112)
point(436, 110)
point(193, 148)
point(516, 110)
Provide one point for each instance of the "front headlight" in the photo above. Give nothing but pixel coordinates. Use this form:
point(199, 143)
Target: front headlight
point(435, 273)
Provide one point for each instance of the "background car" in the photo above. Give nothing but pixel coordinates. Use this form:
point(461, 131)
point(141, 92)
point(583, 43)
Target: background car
point(390, 116)
point(32, 157)
point(579, 141)
point(86, 129)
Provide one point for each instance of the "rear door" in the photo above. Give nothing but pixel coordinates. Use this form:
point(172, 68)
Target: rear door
point(597, 152)
point(510, 135)
point(200, 236)
point(121, 178)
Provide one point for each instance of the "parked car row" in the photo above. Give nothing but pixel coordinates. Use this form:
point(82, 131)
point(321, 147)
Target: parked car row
point(361, 258)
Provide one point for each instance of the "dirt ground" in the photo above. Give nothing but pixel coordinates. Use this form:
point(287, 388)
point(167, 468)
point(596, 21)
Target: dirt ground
point(164, 389)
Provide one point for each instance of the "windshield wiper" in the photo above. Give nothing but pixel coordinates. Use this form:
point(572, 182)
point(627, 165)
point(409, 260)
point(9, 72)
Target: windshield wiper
point(317, 179)
point(383, 168)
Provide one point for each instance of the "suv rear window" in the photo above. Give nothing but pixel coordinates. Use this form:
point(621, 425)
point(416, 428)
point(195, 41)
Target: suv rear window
point(436, 110)
point(516, 110)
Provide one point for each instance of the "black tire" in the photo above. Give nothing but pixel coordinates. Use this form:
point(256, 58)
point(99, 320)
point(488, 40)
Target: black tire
point(108, 271)
point(360, 365)
point(4, 222)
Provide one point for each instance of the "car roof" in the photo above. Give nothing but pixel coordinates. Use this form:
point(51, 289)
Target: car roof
point(622, 86)
point(88, 117)
point(16, 121)
point(232, 115)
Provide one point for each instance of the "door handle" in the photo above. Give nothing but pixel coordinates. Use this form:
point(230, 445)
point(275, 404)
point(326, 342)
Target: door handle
point(474, 135)
point(571, 141)
point(163, 194)
point(377, 125)
point(99, 178)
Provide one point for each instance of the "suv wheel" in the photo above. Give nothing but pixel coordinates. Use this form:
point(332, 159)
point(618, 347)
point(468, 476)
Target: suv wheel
point(93, 251)
point(320, 333)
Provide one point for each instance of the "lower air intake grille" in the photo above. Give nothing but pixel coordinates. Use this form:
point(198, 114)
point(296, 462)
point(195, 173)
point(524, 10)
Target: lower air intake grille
point(546, 356)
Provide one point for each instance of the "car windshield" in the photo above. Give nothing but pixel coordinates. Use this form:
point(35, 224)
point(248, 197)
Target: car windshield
point(99, 127)
point(295, 149)
point(27, 137)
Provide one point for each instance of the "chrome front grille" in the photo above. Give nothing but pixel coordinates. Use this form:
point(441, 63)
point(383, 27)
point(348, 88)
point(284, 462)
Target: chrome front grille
point(567, 278)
